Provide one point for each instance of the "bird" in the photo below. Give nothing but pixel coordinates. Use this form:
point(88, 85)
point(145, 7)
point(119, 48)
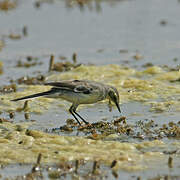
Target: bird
point(79, 92)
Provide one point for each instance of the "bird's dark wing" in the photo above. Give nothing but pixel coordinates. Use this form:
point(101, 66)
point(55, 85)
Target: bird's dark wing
point(77, 86)
point(83, 89)
point(61, 85)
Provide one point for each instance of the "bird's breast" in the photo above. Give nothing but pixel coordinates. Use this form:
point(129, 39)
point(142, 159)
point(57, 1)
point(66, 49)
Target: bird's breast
point(81, 98)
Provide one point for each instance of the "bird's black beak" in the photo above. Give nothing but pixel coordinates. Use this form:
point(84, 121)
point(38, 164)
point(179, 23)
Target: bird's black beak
point(118, 107)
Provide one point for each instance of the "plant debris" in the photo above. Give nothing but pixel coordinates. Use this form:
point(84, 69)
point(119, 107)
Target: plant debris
point(63, 66)
point(146, 130)
point(40, 79)
point(8, 89)
point(30, 61)
point(6, 5)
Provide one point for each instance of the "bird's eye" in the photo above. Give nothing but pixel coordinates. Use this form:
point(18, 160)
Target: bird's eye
point(111, 94)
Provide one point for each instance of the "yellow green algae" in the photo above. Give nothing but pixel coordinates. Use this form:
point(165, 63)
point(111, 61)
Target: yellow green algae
point(147, 86)
point(20, 145)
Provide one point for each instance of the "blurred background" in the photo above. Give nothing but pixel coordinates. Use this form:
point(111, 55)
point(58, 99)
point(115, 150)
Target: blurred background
point(99, 31)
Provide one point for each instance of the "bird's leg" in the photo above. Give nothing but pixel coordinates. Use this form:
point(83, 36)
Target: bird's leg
point(80, 117)
point(72, 112)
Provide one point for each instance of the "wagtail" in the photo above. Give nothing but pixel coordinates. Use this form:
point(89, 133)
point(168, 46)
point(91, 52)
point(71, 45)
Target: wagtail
point(79, 92)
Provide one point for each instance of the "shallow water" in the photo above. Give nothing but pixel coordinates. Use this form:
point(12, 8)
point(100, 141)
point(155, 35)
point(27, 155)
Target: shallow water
point(100, 33)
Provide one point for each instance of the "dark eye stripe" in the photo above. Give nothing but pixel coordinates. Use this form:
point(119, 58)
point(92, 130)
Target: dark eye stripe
point(87, 91)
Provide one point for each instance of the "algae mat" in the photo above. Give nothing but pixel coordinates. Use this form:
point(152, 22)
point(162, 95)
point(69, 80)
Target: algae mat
point(154, 86)
point(20, 145)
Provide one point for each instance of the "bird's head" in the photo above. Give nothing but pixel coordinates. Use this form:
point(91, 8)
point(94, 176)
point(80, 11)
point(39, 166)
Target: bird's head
point(113, 95)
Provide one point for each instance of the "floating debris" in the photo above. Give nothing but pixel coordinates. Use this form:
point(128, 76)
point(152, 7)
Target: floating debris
point(62, 57)
point(14, 36)
point(138, 56)
point(147, 65)
point(66, 128)
point(28, 64)
point(142, 130)
point(119, 120)
point(40, 79)
point(6, 5)
point(9, 88)
point(63, 66)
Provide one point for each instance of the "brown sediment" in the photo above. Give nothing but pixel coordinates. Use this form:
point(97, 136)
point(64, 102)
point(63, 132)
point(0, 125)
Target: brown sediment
point(29, 144)
point(138, 56)
point(63, 66)
point(40, 79)
point(8, 89)
point(14, 36)
point(140, 130)
point(28, 63)
point(6, 5)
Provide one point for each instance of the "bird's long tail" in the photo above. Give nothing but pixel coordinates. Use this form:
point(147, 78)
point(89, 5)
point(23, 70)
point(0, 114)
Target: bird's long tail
point(34, 95)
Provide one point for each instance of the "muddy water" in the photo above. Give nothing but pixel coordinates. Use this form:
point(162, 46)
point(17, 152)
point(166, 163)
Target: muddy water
point(126, 33)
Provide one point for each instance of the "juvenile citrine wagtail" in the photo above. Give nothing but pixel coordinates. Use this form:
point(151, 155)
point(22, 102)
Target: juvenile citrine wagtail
point(79, 92)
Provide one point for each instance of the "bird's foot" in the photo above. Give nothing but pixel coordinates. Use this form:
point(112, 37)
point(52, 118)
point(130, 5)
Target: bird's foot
point(85, 126)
